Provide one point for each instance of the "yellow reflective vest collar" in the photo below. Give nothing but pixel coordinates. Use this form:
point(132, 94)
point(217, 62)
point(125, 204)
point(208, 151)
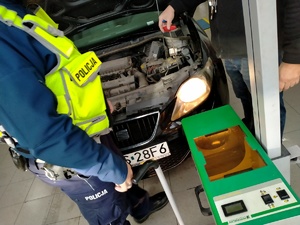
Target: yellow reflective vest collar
point(74, 80)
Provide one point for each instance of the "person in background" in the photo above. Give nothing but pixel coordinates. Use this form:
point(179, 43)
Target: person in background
point(229, 41)
point(67, 147)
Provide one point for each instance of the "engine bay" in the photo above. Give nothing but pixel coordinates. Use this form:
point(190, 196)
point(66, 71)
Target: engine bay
point(143, 75)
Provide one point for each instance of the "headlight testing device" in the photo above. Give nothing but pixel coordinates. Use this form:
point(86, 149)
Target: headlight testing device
point(241, 183)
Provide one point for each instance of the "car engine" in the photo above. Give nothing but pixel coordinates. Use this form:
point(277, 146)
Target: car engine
point(143, 75)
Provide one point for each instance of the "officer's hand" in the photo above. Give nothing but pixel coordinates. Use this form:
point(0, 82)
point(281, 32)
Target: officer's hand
point(128, 182)
point(289, 75)
point(166, 18)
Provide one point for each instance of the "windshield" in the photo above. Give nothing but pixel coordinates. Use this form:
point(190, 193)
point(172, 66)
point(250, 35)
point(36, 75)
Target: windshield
point(114, 29)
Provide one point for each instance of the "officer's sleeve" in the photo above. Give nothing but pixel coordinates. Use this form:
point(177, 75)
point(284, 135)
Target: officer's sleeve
point(28, 112)
point(29, 116)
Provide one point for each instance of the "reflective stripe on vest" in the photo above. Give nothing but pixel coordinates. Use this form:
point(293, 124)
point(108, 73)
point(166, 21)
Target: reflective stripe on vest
point(74, 80)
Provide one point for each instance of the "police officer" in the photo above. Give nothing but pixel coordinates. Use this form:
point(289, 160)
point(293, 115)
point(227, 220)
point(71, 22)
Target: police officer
point(53, 116)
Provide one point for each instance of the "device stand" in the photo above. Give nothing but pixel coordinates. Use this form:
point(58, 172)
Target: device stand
point(154, 164)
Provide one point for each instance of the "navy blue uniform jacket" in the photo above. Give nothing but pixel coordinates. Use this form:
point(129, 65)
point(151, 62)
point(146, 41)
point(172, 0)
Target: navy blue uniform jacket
point(28, 109)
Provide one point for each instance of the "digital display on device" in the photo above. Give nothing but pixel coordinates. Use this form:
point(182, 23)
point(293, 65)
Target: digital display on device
point(234, 208)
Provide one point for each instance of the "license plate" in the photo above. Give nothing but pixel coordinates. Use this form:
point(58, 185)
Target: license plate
point(152, 153)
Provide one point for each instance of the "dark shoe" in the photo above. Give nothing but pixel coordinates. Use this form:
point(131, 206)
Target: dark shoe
point(159, 201)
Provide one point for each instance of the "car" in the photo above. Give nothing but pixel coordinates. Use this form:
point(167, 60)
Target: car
point(153, 79)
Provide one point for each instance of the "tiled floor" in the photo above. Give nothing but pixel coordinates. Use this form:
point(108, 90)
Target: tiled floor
point(25, 200)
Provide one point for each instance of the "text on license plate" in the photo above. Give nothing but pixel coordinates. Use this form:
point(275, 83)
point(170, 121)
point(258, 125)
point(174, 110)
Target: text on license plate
point(152, 153)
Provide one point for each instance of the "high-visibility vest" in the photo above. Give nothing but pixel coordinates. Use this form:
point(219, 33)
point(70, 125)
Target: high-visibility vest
point(74, 80)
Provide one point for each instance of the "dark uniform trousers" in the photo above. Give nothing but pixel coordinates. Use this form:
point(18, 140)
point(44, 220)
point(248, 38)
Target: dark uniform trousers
point(98, 201)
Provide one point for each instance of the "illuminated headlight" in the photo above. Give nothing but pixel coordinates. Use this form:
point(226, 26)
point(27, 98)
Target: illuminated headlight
point(190, 95)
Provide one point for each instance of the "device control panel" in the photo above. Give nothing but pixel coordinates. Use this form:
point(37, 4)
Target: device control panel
point(254, 202)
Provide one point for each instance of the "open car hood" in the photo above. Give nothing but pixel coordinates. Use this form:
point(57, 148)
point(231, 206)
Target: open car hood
point(74, 16)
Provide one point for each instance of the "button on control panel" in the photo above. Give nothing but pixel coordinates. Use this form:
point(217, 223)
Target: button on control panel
point(283, 194)
point(267, 199)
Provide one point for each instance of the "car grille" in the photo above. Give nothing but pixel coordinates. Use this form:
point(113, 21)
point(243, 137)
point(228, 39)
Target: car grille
point(135, 132)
